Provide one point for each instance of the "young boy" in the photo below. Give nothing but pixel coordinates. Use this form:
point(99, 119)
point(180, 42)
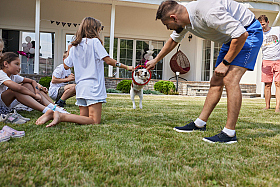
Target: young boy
point(59, 89)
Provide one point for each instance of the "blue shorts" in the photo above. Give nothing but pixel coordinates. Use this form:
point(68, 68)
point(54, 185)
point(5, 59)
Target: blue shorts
point(248, 55)
point(88, 102)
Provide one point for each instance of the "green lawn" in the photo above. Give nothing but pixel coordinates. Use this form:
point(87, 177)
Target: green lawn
point(140, 148)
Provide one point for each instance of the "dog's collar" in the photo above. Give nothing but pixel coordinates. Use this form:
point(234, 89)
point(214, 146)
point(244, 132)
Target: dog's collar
point(137, 67)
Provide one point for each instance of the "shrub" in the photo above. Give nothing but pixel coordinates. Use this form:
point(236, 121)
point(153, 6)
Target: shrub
point(166, 87)
point(112, 91)
point(124, 86)
point(152, 92)
point(45, 81)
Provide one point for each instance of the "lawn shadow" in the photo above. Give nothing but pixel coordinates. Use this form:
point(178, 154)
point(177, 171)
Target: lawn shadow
point(259, 130)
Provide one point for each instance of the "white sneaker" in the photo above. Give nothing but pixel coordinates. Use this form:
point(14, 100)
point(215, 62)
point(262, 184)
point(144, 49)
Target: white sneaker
point(12, 132)
point(12, 118)
point(26, 119)
point(4, 136)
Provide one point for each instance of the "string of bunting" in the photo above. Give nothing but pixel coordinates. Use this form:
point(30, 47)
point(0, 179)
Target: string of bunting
point(62, 23)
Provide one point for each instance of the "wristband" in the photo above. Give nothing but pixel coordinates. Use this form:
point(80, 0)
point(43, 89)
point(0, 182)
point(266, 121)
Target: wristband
point(118, 64)
point(36, 87)
point(127, 68)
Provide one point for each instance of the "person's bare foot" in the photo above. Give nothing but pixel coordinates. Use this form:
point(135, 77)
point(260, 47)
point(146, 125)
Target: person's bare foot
point(45, 117)
point(56, 119)
point(277, 110)
point(266, 108)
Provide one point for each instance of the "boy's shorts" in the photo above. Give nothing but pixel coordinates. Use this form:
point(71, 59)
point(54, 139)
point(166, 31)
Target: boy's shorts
point(88, 102)
point(270, 68)
point(248, 55)
point(59, 93)
point(12, 105)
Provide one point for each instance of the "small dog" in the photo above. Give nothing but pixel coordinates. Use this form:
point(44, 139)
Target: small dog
point(141, 77)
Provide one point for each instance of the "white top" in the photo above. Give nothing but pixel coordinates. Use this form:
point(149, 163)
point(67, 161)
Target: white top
point(59, 73)
point(87, 59)
point(271, 45)
point(4, 77)
point(216, 20)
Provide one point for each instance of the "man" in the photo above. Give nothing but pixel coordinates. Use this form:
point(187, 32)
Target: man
point(60, 90)
point(223, 21)
point(271, 61)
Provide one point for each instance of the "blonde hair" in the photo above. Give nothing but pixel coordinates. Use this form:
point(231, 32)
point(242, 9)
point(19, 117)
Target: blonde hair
point(88, 29)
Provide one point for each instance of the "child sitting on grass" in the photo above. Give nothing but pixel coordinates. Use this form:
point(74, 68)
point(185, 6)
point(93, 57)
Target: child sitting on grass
point(87, 55)
point(60, 90)
point(15, 89)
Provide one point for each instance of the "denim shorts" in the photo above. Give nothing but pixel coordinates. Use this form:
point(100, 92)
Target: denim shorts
point(88, 102)
point(248, 55)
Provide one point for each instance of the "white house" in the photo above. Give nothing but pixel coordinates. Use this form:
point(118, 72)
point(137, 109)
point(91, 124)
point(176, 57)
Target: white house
point(130, 28)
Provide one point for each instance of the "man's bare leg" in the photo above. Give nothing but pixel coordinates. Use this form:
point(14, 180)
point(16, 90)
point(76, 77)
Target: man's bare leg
point(234, 96)
point(213, 97)
point(267, 94)
point(277, 95)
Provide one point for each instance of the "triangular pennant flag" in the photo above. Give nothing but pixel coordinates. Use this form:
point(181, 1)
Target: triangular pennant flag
point(75, 24)
point(69, 24)
point(52, 22)
point(57, 23)
point(63, 23)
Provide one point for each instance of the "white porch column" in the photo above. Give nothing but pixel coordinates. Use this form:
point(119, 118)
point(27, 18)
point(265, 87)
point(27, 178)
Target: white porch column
point(276, 19)
point(211, 60)
point(37, 38)
point(112, 32)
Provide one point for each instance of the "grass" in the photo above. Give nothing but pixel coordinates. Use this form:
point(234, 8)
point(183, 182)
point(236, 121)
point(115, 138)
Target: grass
point(140, 148)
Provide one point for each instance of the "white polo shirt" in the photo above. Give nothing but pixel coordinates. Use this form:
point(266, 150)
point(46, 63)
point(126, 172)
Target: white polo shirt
point(216, 20)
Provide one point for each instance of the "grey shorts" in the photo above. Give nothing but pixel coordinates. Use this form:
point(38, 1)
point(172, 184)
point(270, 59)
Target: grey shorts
point(59, 93)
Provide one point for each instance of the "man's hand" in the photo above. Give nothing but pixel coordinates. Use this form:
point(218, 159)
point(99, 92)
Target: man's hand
point(221, 70)
point(71, 77)
point(151, 64)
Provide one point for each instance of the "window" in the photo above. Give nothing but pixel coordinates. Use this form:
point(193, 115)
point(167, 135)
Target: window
point(46, 53)
point(131, 52)
point(209, 58)
point(126, 57)
point(157, 72)
point(69, 39)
